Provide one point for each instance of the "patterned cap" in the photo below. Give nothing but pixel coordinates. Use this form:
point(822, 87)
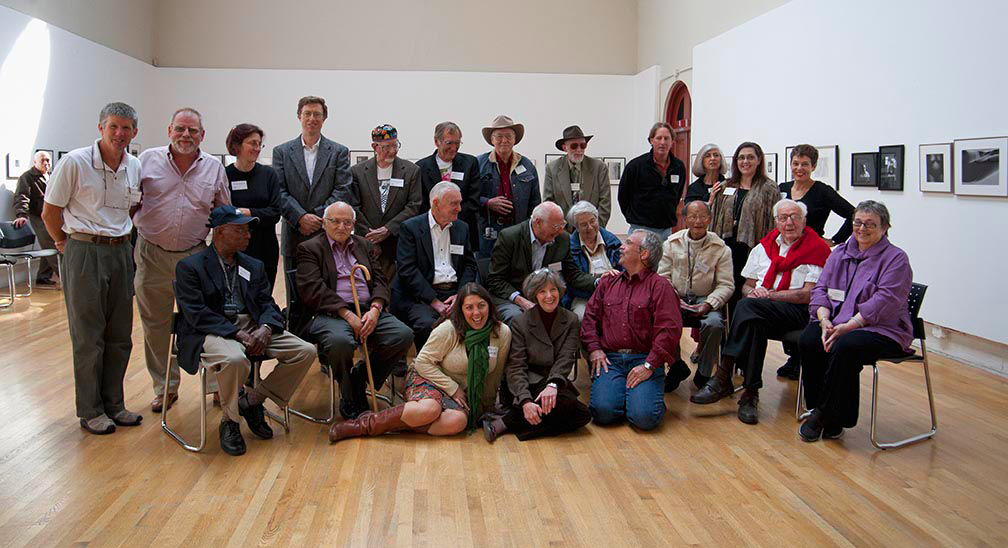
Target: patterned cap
point(384, 132)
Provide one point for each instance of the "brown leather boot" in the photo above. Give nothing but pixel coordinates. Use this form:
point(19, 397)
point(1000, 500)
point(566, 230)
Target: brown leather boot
point(720, 386)
point(369, 424)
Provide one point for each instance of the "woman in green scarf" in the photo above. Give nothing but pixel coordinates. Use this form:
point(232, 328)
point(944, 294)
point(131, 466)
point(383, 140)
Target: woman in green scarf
point(454, 377)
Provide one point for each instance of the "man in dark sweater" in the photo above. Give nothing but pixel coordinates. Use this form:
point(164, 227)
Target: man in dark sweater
point(652, 185)
point(28, 201)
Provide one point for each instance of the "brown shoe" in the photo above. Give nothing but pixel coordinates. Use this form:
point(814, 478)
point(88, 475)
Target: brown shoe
point(159, 401)
point(369, 424)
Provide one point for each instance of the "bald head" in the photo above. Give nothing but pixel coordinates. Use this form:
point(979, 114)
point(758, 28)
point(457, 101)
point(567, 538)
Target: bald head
point(547, 222)
point(338, 221)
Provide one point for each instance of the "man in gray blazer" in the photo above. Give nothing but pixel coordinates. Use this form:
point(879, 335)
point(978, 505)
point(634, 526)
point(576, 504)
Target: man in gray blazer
point(577, 177)
point(385, 191)
point(314, 172)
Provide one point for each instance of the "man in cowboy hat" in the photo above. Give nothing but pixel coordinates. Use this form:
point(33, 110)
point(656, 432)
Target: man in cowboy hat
point(509, 183)
point(577, 176)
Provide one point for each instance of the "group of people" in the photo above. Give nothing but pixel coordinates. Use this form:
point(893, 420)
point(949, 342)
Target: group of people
point(500, 292)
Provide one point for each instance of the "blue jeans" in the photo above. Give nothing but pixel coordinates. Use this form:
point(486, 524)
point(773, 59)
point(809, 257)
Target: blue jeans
point(642, 405)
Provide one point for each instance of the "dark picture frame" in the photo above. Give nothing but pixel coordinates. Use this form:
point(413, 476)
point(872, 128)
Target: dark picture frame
point(359, 156)
point(864, 169)
point(14, 166)
point(614, 166)
point(891, 167)
point(550, 157)
point(770, 161)
point(936, 166)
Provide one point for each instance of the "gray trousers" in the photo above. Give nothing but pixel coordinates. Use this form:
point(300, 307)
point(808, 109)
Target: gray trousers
point(49, 265)
point(711, 332)
point(508, 312)
point(98, 288)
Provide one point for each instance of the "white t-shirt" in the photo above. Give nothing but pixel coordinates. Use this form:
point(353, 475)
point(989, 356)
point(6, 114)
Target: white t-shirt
point(444, 272)
point(758, 265)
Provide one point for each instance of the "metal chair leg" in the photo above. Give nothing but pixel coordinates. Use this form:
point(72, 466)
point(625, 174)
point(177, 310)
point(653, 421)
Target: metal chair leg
point(28, 261)
point(874, 407)
point(7, 301)
point(800, 411)
point(332, 404)
point(203, 415)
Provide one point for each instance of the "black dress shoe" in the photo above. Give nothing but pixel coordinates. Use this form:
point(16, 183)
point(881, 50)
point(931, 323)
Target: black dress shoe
point(350, 410)
point(812, 429)
point(231, 440)
point(747, 412)
point(700, 380)
point(790, 368)
point(255, 418)
point(712, 391)
point(833, 433)
point(678, 372)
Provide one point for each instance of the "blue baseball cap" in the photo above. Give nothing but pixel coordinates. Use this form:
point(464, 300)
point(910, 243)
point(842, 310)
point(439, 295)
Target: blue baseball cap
point(229, 215)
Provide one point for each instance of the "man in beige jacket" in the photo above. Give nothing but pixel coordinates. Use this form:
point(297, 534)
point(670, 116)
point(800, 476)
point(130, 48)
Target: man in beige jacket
point(699, 265)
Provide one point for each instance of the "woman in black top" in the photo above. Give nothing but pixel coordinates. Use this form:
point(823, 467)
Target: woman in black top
point(709, 167)
point(819, 197)
point(255, 191)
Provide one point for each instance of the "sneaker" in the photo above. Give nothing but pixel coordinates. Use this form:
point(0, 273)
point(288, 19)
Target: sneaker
point(831, 433)
point(812, 429)
point(99, 425)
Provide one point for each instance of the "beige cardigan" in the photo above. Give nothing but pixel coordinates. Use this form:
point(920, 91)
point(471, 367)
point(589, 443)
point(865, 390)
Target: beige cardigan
point(712, 270)
point(444, 363)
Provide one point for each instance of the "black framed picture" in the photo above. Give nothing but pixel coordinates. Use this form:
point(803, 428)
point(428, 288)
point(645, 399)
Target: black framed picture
point(771, 165)
point(359, 156)
point(15, 166)
point(864, 169)
point(615, 165)
point(890, 167)
point(61, 154)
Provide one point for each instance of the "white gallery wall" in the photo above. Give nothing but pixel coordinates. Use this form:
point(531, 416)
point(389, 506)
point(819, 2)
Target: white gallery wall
point(860, 74)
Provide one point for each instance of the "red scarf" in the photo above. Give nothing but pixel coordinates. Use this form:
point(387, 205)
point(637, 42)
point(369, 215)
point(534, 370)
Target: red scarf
point(809, 249)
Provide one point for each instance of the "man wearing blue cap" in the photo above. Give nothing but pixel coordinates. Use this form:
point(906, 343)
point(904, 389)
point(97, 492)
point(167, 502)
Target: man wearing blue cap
point(228, 314)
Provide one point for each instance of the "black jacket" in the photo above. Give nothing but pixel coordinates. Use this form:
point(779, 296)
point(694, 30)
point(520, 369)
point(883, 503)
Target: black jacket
point(29, 193)
point(415, 260)
point(465, 164)
point(648, 199)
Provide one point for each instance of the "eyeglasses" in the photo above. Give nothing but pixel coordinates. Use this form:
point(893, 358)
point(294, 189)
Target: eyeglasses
point(869, 226)
point(194, 131)
point(783, 218)
point(312, 114)
point(340, 222)
point(452, 143)
point(507, 137)
point(748, 158)
point(577, 146)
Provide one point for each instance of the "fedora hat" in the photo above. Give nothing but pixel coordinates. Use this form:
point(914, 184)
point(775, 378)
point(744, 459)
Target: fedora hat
point(504, 122)
point(572, 132)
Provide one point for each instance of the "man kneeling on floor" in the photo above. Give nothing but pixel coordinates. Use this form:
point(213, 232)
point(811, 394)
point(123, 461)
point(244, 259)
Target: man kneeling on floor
point(228, 314)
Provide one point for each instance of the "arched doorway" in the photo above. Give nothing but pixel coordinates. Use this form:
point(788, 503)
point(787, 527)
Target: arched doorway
point(678, 114)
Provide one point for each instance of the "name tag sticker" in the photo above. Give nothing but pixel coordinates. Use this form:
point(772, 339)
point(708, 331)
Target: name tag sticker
point(398, 183)
point(457, 175)
point(783, 195)
point(702, 267)
point(598, 263)
point(555, 267)
point(456, 249)
point(576, 187)
point(519, 170)
point(245, 274)
point(730, 191)
point(239, 185)
point(673, 179)
point(492, 350)
point(135, 196)
point(836, 294)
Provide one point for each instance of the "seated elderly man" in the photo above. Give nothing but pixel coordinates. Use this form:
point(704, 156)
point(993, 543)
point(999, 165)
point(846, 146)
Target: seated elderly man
point(780, 274)
point(540, 242)
point(228, 314)
point(434, 260)
point(631, 328)
point(594, 249)
point(699, 265)
point(325, 276)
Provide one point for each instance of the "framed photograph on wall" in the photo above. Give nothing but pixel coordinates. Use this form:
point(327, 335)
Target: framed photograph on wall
point(935, 167)
point(220, 157)
point(728, 162)
point(864, 169)
point(134, 148)
point(771, 165)
point(229, 159)
point(358, 156)
point(16, 165)
point(60, 155)
point(981, 169)
point(615, 166)
point(890, 167)
point(551, 157)
point(52, 157)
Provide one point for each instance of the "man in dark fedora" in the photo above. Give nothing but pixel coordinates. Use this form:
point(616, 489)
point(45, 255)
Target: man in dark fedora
point(509, 182)
point(577, 176)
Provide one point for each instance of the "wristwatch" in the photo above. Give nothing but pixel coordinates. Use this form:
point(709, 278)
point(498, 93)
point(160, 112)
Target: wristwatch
point(648, 366)
point(552, 385)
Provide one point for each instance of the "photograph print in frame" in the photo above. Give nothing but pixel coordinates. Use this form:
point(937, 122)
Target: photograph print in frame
point(890, 167)
point(864, 169)
point(980, 166)
point(935, 172)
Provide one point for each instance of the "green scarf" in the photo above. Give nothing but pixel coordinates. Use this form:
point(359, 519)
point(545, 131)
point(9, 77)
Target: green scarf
point(477, 343)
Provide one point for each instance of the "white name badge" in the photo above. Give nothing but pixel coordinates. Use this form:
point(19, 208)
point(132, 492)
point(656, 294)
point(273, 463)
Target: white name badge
point(673, 179)
point(456, 249)
point(398, 183)
point(457, 176)
point(245, 274)
point(519, 170)
point(555, 267)
point(783, 195)
point(702, 267)
point(492, 350)
point(836, 294)
point(598, 263)
point(239, 185)
point(135, 196)
point(575, 187)
point(730, 191)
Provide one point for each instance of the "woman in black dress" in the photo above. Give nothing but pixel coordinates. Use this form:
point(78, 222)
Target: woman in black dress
point(819, 197)
point(255, 191)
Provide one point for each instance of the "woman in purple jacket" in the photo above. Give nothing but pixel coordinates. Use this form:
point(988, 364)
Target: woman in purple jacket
point(859, 313)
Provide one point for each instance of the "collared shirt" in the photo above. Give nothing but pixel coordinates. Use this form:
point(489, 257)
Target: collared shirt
point(758, 265)
point(175, 207)
point(444, 272)
point(344, 258)
point(640, 313)
point(538, 254)
point(310, 155)
point(598, 261)
point(95, 199)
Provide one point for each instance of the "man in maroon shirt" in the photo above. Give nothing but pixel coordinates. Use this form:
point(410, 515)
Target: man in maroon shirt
point(640, 312)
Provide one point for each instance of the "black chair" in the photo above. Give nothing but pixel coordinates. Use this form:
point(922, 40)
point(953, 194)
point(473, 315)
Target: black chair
point(914, 301)
point(15, 238)
point(294, 317)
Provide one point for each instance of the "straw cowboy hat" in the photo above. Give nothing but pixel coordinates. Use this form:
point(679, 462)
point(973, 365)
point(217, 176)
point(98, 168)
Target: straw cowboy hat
point(504, 122)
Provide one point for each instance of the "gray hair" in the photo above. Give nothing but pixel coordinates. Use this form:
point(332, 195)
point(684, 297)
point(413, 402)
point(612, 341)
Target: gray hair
point(786, 201)
point(439, 190)
point(446, 127)
point(334, 204)
point(189, 110)
point(38, 153)
point(581, 208)
point(878, 208)
point(122, 110)
point(542, 211)
point(539, 279)
point(651, 243)
point(698, 163)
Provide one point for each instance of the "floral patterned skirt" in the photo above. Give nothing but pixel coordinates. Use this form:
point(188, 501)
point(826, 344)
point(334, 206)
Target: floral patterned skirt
point(419, 388)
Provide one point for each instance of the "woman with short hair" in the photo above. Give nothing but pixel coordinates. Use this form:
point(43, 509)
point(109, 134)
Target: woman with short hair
point(594, 249)
point(709, 167)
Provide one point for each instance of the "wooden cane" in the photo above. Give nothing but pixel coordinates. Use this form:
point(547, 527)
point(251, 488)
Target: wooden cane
point(367, 359)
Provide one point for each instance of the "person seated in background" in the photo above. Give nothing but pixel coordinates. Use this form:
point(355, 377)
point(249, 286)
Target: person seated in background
point(541, 242)
point(594, 249)
point(434, 259)
point(453, 379)
point(859, 315)
point(699, 265)
point(544, 345)
point(325, 274)
point(228, 314)
point(631, 328)
point(29, 199)
point(780, 273)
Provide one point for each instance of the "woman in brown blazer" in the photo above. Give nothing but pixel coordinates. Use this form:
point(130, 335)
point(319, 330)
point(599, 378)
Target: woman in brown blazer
point(544, 346)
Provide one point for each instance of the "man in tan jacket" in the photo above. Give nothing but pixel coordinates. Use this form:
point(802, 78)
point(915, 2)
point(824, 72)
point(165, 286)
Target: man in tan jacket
point(699, 265)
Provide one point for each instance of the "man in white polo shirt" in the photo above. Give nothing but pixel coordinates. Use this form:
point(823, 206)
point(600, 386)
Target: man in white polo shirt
point(87, 213)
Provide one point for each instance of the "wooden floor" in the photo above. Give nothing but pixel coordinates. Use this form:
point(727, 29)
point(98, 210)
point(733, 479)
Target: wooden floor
point(703, 478)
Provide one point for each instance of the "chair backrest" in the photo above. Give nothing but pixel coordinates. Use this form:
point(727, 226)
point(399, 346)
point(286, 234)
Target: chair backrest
point(290, 276)
point(13, 238)
point(914, 301)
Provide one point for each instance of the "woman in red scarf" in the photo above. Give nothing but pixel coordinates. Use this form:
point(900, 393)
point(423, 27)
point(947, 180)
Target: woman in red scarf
point(780, 274)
